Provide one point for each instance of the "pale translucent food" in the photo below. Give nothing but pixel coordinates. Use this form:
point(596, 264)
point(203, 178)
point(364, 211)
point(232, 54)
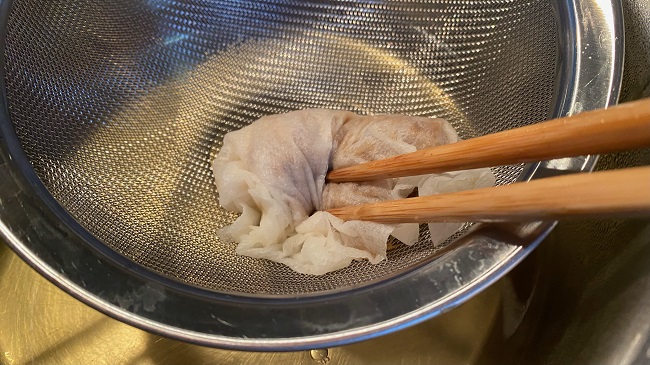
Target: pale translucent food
point(273, 173)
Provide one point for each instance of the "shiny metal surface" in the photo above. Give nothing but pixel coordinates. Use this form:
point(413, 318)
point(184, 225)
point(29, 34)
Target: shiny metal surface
point(47, 326)
point(598, 309)
point(598, 303)
point(45, 234)
point(594, 310)
point(126, 148)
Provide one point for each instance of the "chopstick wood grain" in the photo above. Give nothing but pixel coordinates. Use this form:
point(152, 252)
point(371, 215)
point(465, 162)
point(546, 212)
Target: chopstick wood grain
point(622, 127)
point(623, 192)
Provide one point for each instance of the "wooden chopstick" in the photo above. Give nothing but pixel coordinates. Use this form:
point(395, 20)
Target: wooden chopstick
point(623, 192)
point(622, 127)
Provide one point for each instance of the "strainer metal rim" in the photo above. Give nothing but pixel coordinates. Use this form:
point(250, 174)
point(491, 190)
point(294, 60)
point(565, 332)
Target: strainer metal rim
point(45, 235)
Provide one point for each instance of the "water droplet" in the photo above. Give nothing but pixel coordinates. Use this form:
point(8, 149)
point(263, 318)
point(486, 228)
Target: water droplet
point(321, 356)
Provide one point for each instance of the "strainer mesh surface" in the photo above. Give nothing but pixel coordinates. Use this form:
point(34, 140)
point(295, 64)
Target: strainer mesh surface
point(120, 105)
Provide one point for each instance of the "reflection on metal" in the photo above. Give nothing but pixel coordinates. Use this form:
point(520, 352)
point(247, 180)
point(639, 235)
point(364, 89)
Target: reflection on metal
point(568, 164)
point(40, 324)
point(582, 298)
point(321, 356)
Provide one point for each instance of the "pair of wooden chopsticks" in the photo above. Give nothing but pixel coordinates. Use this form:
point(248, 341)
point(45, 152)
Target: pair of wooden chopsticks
point(608, 193)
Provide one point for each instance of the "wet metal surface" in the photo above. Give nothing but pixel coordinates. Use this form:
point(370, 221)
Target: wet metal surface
point(40, 324)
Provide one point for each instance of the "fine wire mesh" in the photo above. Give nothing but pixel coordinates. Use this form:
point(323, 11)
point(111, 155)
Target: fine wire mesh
point(121, 105)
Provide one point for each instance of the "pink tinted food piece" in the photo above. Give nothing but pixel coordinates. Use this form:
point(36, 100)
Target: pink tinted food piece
point(273, 173)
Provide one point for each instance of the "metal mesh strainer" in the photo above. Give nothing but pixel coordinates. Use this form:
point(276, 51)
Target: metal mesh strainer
point(120, 106)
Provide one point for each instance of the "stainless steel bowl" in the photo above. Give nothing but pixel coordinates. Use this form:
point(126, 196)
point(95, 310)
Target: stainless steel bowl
point(112, 111)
